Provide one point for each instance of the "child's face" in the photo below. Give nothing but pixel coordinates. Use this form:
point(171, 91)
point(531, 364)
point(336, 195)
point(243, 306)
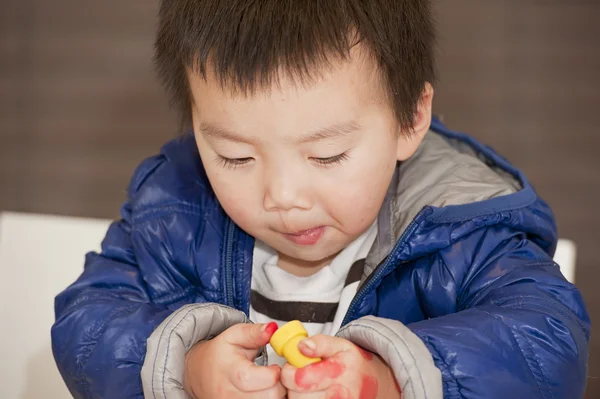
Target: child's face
point(304, 168)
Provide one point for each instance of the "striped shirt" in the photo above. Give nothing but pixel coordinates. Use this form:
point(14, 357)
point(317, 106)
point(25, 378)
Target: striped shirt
point(319, 301)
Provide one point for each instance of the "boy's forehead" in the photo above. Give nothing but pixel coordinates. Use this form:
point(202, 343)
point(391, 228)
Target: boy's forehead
point(343, 97)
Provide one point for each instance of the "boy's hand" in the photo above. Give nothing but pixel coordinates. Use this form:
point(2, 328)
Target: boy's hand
point(223, 367)
point(347, 372)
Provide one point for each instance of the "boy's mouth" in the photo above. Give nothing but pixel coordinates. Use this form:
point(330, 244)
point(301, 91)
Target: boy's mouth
point(306, 237)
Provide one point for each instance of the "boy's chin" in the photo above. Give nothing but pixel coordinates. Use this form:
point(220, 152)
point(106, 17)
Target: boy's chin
point(310, 254)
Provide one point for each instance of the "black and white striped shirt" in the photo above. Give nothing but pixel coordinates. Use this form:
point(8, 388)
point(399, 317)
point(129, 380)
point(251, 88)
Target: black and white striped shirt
point(319, 301)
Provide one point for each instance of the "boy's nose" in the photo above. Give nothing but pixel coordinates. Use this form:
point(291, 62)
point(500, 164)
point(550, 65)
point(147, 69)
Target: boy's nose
point(285, 191)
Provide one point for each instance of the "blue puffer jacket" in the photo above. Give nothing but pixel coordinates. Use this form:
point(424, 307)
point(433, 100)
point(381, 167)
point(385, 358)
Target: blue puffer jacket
point(467, 269)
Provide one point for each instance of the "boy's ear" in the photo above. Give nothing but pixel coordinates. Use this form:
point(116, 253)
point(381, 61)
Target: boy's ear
point(408, 142)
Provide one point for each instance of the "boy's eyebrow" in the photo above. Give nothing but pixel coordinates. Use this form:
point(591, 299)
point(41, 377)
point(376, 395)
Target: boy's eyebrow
point(221, 133)
point(339, 129)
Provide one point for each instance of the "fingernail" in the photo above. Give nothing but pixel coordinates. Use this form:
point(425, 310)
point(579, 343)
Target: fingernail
point(270, 328)
point(309, 344)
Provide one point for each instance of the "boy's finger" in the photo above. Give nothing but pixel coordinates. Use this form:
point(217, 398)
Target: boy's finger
point(324, 346)
point(249, 336)
point(276, 392)
point(333, 392)
point(248, 377)
point(312, 378)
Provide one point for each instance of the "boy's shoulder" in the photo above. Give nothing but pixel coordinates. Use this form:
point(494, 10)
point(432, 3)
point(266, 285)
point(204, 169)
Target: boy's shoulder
point(172, 180)
point(465, 185)
point(465, 176)
point(454, 185)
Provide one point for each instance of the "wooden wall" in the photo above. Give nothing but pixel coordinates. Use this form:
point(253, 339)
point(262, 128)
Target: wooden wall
point(80, 105)
point(524, 76)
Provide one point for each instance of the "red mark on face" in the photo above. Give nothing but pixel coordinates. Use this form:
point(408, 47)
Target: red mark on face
point(270, 329)
point(368, 356)
point(312, 375)
point(368, 387)
point(337, 391)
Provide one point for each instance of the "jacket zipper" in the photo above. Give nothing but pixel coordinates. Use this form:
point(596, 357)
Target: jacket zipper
point(228, 263)
point(377, 273)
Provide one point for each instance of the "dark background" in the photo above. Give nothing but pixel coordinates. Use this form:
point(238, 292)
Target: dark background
point(80, 105)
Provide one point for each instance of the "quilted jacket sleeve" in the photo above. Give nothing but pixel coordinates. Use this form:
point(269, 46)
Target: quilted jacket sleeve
point(103, 321)
point(520, 329)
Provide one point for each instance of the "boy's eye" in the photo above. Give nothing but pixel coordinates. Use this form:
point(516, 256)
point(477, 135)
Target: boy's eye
point(232, 163)
point(338, 159)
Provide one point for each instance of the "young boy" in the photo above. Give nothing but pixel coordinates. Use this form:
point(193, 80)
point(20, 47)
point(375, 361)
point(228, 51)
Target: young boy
point(315, 186)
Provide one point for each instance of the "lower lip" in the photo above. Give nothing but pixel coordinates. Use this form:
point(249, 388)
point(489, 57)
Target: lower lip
point(307, 237)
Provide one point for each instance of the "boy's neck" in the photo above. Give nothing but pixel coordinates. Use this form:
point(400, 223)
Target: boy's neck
point(302, 268)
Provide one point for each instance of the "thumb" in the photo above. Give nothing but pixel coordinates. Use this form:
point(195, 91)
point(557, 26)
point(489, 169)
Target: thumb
point(324, 346)
point(250, 336)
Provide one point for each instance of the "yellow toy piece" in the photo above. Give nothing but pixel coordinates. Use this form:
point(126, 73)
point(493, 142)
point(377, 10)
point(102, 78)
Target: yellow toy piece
point(285, 343)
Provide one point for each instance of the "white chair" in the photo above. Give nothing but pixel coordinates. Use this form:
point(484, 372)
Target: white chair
point(566, 256)
point(40, 256)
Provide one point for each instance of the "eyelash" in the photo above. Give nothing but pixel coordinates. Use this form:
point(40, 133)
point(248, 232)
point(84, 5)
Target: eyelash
point(234, 163)
point(337, 159)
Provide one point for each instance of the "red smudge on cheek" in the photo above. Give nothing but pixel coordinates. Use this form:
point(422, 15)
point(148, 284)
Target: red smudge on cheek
point(337, 391)
point(310, 376)
point(271, 328)
point(368, 387)
point(365, 354)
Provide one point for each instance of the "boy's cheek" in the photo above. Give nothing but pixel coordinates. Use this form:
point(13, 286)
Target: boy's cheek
point(239, 210)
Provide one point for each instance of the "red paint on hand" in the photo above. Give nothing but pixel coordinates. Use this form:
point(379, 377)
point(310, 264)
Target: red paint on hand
point(337, 391)
point(365, 354)
point(271, 328)
point(397, 386)
point(368, 387)
point(312, 375)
